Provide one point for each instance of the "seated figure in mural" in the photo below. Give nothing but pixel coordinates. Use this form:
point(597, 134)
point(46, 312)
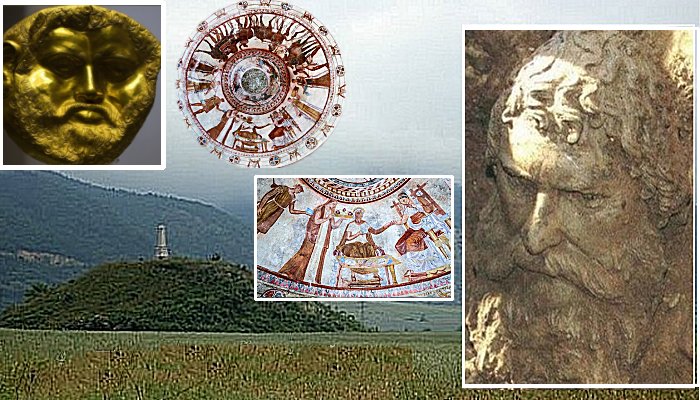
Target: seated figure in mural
point(297, 265)
point(357, 238)
point(583, 267)
point(79, 82)
point(273, 204)
point(284, 130)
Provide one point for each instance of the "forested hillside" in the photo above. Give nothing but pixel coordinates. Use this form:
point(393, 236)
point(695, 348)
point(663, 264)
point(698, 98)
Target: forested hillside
point(171, 295)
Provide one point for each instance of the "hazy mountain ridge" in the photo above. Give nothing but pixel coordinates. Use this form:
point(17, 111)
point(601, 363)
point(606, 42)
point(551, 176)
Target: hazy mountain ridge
point(47, 216)
point(50, 213)
point(17, 274)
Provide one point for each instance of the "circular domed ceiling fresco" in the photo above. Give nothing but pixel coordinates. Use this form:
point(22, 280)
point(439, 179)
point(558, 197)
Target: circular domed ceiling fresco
point(354, 237)
point(261, 83)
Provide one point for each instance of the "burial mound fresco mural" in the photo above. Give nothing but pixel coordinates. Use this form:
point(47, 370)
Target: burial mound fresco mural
point(582, 269)
point(261, 83)
point(354, 237)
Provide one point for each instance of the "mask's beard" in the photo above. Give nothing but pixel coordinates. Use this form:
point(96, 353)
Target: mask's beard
point(78, 143)
point(58, 135)
point(589, 274)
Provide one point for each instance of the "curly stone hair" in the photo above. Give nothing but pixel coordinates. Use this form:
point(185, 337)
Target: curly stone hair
point(622, 91)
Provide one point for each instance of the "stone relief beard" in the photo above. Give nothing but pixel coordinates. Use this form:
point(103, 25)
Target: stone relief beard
point(60, 139)
point(526, 325)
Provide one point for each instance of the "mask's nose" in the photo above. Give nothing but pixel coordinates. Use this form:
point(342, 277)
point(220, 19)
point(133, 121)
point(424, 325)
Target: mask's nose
point(89, 90)
point(543, 229)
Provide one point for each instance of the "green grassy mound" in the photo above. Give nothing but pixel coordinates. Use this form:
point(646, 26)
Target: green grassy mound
point(174, 295)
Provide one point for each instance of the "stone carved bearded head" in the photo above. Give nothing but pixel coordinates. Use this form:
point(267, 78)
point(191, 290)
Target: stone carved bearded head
point(592, 169)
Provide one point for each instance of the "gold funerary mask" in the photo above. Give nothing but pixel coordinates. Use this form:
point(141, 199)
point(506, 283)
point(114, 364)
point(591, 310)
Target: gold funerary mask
point(78, 83)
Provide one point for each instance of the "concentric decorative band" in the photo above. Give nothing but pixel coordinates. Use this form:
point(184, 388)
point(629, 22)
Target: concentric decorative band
point(356, 191)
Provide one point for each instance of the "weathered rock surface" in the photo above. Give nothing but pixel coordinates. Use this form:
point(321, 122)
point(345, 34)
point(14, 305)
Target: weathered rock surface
point(581, 262)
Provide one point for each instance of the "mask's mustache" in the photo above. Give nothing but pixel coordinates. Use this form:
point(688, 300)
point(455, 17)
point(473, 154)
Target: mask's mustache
point(107, 112)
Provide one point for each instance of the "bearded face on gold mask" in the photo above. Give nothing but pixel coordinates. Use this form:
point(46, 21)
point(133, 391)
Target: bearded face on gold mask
point(78, 82)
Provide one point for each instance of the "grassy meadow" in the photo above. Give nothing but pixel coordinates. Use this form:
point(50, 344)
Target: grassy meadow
point(105, 365)
point(150, 365)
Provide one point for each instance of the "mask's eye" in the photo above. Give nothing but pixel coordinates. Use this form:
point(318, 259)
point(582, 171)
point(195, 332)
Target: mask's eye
point(117, 69)
point(571, 126)
point(63, 65)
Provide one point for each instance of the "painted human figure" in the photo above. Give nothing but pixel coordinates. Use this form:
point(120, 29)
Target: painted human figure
point(298, 100)
point(283, 132)
point(274, 202)
point(297, 265)
point(419, 251)
point(413, 239)
point(357, 238)
point(437, 221)
point(247, 136)
point(208, 105)
point(303, 72)
point(201, 66)
point(215, 131)
point(200, 86)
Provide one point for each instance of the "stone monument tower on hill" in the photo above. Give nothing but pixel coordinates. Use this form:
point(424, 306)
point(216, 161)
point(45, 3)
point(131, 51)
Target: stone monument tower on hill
point(162, 251)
